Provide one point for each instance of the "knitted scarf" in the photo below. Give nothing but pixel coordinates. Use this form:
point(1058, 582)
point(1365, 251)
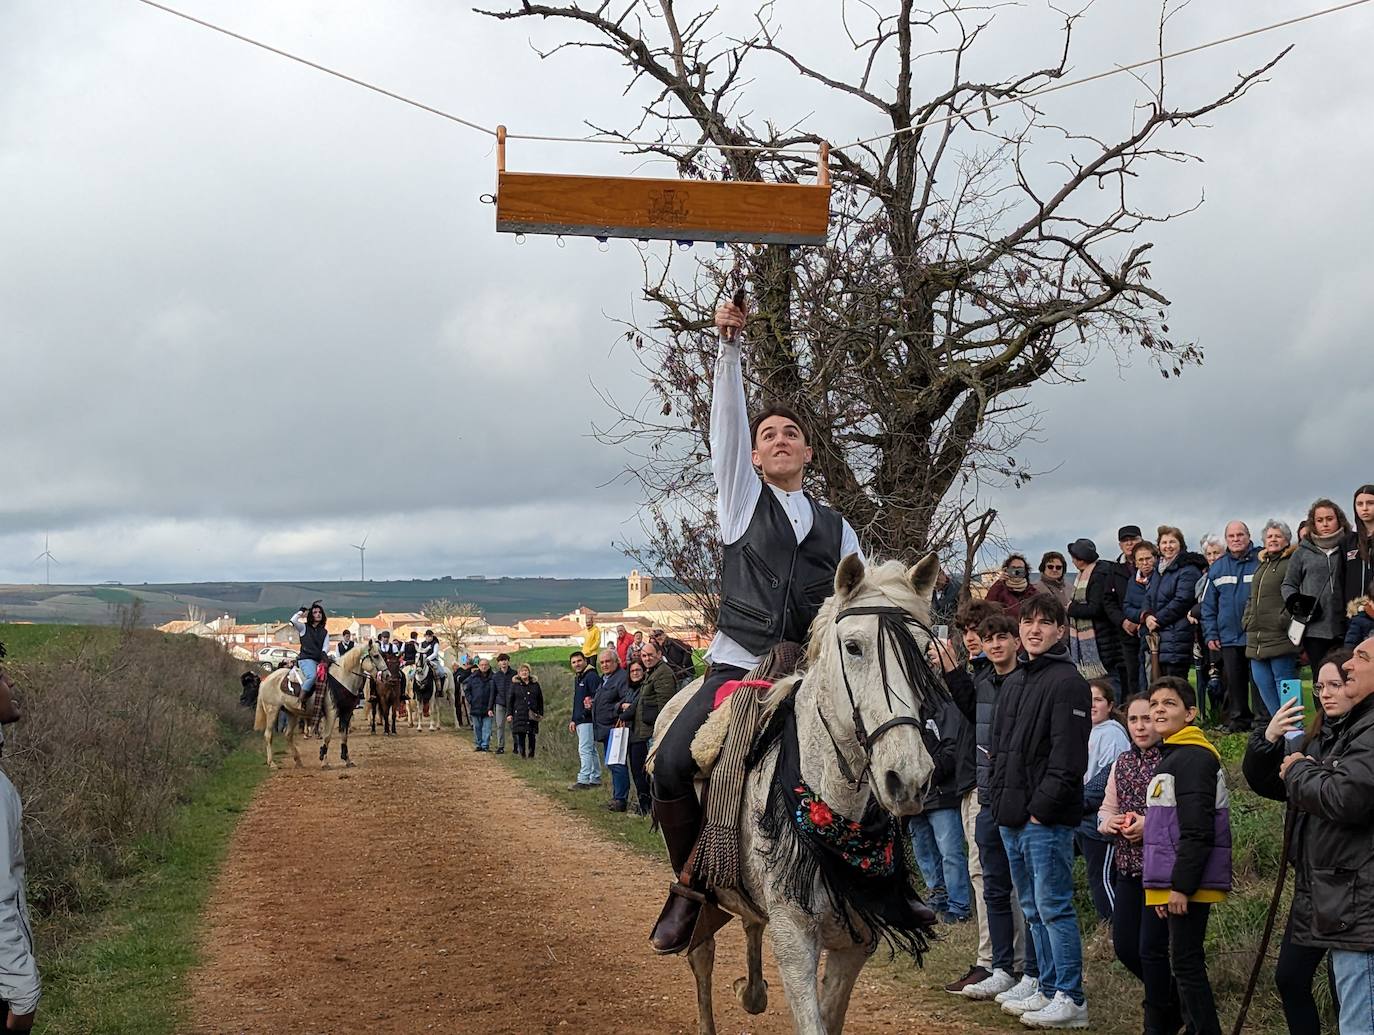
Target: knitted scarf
point(1082, 635)
point(1016, 585)
point(865, 866)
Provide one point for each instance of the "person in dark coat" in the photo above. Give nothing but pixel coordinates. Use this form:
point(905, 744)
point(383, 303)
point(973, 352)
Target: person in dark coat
point(526, 703)
point(501, 712)
point(1133, 607)
point(1336, 794)
point(1273, 657)
point(1039, 754)
point(948, 738)
point(1359, 545)
point(481, 687)
point(1095, 617)
point(1223, 611)
point(585, 681)
point(678, 656)
point(639, 751)
point(1297, 964)
point(1168, 600)
point(607, 709)
point(1313, 588)
point(1014, 587)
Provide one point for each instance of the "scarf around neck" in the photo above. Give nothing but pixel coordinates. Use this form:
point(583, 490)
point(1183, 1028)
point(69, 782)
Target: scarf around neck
point(1326, 542)
point(1082, 635)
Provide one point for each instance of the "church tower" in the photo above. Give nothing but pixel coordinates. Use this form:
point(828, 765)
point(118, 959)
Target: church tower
point(640, 587)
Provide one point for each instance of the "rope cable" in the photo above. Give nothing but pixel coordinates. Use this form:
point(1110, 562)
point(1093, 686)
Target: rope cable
point(710, 145)
point(320, 68)
point(1157, 59)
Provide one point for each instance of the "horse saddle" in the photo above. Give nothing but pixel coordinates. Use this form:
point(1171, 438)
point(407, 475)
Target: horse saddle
point(710, 738)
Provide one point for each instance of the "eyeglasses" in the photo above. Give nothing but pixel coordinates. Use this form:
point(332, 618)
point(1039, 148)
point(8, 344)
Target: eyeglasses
point(1331, 684)
point(1054, 567)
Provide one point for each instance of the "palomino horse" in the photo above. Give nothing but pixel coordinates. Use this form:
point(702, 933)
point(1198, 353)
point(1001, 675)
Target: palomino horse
point(856, 712)
point(352, 670)
point(424, 683)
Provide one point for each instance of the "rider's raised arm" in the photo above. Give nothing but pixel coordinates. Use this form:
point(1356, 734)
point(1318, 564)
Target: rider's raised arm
point(297, 621)
point(737, 485)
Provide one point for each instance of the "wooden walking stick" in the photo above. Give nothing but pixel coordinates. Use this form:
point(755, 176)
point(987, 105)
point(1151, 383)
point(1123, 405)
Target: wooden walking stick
point(1288, 820)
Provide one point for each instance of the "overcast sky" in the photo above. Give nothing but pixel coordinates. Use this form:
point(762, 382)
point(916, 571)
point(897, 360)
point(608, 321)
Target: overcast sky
point(250, 313)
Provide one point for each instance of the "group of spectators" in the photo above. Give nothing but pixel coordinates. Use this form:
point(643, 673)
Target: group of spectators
point(623, 687)
point(1073, 728)
point(499, 700)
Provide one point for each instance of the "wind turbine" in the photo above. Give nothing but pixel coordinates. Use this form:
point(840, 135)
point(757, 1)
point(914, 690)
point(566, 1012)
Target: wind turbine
point(362, 558)
point(48, 561)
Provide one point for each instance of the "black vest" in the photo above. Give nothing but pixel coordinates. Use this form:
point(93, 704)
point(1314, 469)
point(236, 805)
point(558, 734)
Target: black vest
point(772, 585)
point(312, 642)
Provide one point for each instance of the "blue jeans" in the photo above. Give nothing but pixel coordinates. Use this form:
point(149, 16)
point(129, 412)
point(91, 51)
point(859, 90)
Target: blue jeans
point(948, 827)
point(1355, 988)
point(1041, 859)
point(1267, 673)
point(927, 852)
point(309, 670)
point(1011, 941)
point(589, 771)
point(481, 731)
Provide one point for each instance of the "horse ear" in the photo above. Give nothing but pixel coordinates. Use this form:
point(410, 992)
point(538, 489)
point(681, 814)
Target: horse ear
point(848, 576)
point(923, 573)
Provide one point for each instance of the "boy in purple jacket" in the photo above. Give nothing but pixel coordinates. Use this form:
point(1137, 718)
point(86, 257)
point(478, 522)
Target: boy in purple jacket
point(1187, 858)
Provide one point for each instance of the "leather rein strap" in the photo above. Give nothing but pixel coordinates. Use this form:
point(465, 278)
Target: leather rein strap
point(898, 621)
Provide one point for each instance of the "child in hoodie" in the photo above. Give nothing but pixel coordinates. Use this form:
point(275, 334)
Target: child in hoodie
point(1187, 854)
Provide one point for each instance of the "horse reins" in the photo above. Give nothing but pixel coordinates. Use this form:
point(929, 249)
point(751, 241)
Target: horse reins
point(894, 624)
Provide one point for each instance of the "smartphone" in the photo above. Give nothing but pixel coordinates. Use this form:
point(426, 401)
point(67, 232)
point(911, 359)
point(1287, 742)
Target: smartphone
point(738, 298)
point(942, 632)
point(1291, 690)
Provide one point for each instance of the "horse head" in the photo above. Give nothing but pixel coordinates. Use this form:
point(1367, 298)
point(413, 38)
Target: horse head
point(867, 653)
point(364, 659)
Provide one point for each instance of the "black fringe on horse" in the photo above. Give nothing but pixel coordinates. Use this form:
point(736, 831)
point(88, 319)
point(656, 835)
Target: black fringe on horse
point(873, 906)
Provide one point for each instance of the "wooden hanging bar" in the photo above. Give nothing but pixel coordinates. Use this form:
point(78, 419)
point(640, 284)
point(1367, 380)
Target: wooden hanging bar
point(666, 210)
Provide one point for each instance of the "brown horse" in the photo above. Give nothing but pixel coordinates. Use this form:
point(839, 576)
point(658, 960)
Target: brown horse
point(387, 689)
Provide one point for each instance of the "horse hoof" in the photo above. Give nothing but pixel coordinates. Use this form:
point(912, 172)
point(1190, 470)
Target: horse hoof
point(273, 765)
point(324, 765)
point(350, 765)
point(754, 1004)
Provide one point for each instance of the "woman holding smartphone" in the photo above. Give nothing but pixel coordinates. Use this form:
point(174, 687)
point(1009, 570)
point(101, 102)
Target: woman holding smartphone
point(1273, 656)
point(1297, 964)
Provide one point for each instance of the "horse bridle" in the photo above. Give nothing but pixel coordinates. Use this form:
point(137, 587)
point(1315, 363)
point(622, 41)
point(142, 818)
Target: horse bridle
point(894, 622)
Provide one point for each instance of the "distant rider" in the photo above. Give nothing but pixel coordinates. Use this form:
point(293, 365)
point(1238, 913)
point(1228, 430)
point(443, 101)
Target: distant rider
point(309, 624)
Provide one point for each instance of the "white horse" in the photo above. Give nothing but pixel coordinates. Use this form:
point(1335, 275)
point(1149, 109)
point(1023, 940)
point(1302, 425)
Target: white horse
point(874, 731)
point(352, 670)
point(424, 672)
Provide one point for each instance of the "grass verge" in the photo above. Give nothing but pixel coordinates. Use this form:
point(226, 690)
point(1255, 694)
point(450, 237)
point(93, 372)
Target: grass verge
point(126, 970)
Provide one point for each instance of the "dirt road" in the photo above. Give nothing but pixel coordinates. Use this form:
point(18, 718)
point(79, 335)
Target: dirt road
point(442, 894)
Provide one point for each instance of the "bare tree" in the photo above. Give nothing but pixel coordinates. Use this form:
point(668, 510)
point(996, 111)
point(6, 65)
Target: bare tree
point(687, 548)
point(973, 254)
point(454, 621)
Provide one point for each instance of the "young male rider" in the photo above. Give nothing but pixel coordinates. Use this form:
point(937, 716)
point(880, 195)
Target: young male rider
point(781, 552)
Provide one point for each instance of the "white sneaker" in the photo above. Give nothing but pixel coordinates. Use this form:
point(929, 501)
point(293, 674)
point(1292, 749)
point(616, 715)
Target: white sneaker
point(1023, 989)
point(1020, 1007)
point(997, 983)
point(1062, 1012)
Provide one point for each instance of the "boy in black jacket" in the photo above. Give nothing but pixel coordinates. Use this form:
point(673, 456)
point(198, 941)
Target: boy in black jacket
point(1039, 754)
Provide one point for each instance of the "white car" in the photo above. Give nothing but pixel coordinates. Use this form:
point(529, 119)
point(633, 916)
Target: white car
point(276, 655)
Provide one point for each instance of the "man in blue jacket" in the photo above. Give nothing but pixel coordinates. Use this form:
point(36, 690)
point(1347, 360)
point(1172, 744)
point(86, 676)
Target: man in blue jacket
point(585, 684)
point(1223, 607)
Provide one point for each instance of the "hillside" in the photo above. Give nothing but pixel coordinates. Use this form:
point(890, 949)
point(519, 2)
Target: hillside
point(502, 600)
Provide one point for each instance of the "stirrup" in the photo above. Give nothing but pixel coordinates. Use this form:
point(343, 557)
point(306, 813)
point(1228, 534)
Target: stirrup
point(709, 918)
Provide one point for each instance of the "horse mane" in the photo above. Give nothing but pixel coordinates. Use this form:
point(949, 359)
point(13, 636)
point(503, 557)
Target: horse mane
point(886, 579)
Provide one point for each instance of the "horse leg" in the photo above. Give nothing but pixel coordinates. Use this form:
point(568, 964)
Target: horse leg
point(291, 742)
point(326, 732)
point(795, 946)
point(345, 721)
point(752, 991)
point(267, 736)
point(842, 968)
point(703, 962)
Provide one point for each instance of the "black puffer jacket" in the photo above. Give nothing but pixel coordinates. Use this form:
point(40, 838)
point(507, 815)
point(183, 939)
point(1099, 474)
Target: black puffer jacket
point(1040, 742)
point(976, 694)
point(1333, 898)
point(948, 737)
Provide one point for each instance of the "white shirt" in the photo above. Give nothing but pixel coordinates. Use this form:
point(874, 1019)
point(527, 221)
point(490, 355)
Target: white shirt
point(738, 485)
point(19, 984)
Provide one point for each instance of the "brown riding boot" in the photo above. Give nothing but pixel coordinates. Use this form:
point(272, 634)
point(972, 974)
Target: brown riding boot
point(680, 821)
